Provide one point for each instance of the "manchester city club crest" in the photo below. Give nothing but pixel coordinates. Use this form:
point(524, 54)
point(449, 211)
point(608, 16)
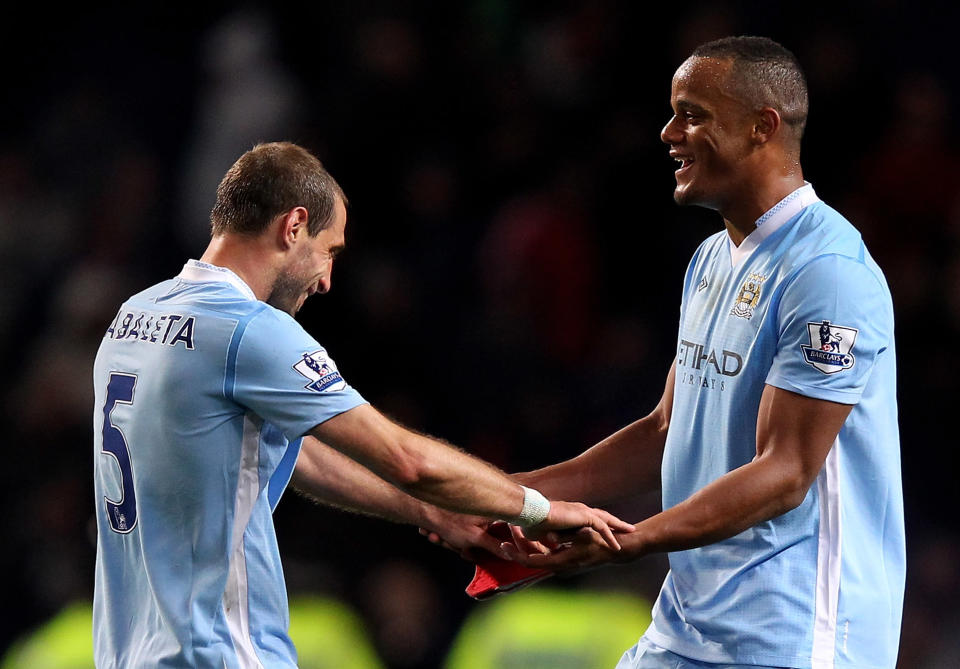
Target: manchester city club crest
point(321, 371)
point(831, 347)
point(749, 296)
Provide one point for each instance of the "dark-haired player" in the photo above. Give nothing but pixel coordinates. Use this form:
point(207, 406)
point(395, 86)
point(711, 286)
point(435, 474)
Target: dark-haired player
point(776, 441)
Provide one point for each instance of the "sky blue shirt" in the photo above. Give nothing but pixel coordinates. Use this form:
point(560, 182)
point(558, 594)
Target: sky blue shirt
point(802, 306)
point(202, 396)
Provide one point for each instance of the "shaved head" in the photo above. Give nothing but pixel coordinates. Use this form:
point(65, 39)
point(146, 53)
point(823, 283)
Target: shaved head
point(763, 74)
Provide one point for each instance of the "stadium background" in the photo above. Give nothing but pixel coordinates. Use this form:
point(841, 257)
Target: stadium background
point(514, 262)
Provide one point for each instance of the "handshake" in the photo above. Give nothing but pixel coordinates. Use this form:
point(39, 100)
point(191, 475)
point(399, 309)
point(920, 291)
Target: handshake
point(508, 557)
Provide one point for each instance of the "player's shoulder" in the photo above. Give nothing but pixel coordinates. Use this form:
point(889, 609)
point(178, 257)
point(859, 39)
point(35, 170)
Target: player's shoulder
point(153, 292)
point(271, 329)
point(826, 242)
point(829, 262)
point(267, 317)
point(823, 230)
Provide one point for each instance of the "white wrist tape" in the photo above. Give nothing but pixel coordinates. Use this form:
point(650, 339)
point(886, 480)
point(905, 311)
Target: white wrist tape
point(535, 510)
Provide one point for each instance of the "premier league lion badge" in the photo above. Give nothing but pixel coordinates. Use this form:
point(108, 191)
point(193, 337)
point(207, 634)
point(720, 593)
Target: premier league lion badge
point(833, 353)
point(320, 371)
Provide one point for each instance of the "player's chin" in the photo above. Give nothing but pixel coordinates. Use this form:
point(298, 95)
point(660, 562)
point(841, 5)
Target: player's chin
point(687, 194)
point(682, 195)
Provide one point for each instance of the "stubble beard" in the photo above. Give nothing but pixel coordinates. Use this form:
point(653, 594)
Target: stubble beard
point(285, 293)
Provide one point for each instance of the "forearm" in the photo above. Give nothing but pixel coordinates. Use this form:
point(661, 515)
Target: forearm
point(331, 478)
point(625, 464)
point(436, 473)
point(794, 436)
point(751, 494)
point(423, 467)
point(457, 481)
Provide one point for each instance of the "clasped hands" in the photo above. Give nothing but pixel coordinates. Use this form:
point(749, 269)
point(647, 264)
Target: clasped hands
point(573, 538)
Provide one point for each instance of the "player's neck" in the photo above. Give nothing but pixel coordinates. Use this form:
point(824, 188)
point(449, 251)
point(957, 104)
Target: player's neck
point(741, 215)
point(243, 257)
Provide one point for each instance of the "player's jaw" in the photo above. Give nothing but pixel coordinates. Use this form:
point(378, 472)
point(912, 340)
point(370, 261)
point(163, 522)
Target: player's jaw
point(291, 291)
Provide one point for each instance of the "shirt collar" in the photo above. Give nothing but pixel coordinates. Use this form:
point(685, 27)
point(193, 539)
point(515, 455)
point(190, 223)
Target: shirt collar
point(195, 270)
point(772, 220)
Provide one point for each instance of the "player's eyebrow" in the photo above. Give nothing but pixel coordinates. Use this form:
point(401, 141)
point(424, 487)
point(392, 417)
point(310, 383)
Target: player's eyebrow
point(687, 106)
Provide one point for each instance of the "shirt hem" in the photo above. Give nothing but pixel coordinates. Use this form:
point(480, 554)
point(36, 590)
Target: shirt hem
point(305, 426)
point(833, 395)
point(699, 653)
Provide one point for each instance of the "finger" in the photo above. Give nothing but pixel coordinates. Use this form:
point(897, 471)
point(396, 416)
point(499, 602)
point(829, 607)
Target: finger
point(488, 542)
point(605, 533)
point(559, 561)
point(510, 552)
point(614, 522)
point(526, 545)
point(611, 540)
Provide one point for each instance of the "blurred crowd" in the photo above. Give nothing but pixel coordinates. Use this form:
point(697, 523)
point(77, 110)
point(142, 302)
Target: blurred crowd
point(514, 258)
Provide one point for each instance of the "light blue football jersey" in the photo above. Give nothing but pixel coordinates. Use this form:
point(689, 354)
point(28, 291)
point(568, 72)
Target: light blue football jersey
point(201, 393)
point(802, 306)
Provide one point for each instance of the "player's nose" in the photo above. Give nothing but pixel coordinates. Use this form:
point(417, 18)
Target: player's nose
point(671, 133)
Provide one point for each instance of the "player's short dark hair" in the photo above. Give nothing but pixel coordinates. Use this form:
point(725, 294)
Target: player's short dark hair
point(269, 180)
point(764, 74)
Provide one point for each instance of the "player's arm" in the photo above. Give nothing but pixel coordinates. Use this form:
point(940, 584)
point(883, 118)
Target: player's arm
point(436, 473)
point(329, 477)
point(625, 464)
point(794, 436)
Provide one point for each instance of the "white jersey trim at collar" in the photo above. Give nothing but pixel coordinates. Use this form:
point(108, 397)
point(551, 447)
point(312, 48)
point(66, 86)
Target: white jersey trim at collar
point(195, 270)
point(772, 220)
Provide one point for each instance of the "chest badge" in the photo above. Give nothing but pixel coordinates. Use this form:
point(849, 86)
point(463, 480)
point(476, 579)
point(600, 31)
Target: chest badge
point(749, 296)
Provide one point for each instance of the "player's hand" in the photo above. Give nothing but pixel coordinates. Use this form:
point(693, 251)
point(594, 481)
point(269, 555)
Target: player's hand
point(583, 550)
point(461, 533)
point(573, 516)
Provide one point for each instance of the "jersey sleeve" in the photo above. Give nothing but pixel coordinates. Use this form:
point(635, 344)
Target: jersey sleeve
point(282, 374)
point(834, 319)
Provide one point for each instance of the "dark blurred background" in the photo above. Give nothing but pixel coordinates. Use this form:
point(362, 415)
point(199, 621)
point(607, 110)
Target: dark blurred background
point(513, 274)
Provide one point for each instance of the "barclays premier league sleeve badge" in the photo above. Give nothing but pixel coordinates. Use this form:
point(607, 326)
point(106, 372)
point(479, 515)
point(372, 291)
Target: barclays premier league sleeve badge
point(320, 371)
point(830, 348)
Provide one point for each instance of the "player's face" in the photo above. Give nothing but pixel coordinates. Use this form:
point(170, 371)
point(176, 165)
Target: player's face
point(311, 265)
point(709, 135)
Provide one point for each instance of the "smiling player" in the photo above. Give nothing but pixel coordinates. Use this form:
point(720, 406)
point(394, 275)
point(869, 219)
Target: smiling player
point(775, 443)
point(207, 392)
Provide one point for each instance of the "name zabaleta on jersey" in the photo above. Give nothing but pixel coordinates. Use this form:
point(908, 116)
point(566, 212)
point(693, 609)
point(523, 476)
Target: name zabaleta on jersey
point(161, 329)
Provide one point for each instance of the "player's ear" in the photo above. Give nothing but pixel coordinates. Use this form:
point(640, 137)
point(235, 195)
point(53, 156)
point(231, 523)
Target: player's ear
point(292, 227)
point(766, 124)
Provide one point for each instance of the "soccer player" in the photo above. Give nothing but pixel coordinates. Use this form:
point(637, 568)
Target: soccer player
point(776, 439)
point(208, 392)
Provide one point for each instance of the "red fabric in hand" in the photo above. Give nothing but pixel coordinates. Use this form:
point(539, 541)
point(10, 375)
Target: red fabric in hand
point(494, 575)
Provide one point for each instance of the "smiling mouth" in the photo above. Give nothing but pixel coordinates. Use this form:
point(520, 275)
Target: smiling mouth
point(685, 163)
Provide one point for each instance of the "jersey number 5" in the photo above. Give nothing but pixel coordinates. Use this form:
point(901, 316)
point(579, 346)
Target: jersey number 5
point(121, 515)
